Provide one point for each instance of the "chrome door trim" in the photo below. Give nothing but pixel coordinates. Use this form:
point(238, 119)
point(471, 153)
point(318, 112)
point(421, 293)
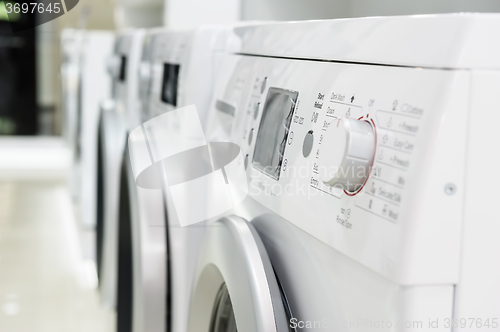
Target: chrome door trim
point(233, 253)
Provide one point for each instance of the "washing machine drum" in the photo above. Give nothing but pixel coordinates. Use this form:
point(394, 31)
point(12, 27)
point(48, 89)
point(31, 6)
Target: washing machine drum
point(235, 285)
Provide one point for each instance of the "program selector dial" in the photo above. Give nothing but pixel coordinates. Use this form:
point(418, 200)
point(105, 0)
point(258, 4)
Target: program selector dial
point(347, 152)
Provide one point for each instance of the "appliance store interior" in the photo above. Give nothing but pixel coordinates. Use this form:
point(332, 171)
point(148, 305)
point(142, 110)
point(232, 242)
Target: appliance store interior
point(249, 165)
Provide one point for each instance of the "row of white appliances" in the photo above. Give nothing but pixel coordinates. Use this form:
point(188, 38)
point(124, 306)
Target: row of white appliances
point(84, 84)
point(146, 259)
point(289, 238)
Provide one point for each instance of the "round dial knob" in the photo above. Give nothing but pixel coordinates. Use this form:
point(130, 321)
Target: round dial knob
point(347, 152)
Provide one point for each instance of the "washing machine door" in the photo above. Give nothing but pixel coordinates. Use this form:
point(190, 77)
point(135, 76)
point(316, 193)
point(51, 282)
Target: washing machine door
point(235, 286)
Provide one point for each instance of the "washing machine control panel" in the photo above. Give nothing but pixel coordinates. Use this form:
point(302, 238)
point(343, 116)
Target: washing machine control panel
point(358, 156)
point(170, 54)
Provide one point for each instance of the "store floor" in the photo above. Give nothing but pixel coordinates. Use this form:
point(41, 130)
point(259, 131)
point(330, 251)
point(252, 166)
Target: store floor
point(47, 277)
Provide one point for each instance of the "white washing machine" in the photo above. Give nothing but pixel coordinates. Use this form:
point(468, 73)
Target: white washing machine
point(116, 116)
point(184, 67)
point(142, 261)
point(370, 203)
point(94, 87)
point(71, 40)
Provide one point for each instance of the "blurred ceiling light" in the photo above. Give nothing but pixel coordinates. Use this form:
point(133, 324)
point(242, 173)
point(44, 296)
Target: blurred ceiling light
point(11, 308)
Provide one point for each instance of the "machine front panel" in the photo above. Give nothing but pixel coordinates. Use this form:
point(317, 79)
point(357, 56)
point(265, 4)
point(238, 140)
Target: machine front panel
point(399, 223)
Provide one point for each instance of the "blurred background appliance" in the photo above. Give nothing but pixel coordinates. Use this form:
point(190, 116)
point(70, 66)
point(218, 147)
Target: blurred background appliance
point(94, 87)
point(116, 115)
point(18, 103)
point(387, 245)
point(71, 47)
point(71, 40)
point(185, 64)
point(142, 263)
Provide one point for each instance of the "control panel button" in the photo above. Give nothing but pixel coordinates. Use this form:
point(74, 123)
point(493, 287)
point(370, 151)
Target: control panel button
point(263, 86)
point(347, 152)
point(256, 110)
point(308, 144)
point(246, 161)
point(250, 137)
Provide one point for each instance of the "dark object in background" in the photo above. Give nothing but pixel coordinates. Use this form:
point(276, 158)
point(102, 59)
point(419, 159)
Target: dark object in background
point(39, 11)
point(170, 83)
point(123, 67)
point(18, 107)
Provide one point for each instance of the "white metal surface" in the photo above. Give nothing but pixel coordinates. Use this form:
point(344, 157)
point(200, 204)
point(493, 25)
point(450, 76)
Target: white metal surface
point(206, 12)
point(149, 260)
point(478, 289)
point(456, 41)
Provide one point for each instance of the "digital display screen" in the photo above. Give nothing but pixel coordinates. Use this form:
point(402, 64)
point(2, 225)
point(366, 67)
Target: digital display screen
point(123, 69)
point(273, 132)
point(170, 83)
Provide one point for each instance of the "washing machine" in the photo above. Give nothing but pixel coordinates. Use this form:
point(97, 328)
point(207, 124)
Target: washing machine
point(71, 40)
point(370, 205)
point(184, 67)
point(141, 255)
point(94, 87)
point(117, 114)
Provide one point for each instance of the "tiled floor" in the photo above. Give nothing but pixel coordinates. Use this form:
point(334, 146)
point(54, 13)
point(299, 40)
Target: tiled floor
point(47, 283)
